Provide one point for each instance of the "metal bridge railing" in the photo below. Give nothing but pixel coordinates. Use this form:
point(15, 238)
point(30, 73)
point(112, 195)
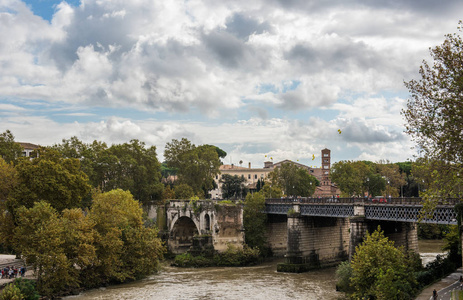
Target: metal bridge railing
point(366, 201)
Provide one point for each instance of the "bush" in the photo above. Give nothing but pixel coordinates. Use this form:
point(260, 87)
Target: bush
point(232, 257)
point(27, 288)
point(343, 275)
point(11, 292)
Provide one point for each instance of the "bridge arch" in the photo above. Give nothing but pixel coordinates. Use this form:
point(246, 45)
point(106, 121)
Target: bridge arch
point(182, 233)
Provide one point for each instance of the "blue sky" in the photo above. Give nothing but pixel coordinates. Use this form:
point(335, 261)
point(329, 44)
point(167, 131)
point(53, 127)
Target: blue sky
point(256, 78)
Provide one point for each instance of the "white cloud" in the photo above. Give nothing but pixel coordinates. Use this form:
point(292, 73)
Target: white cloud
point(306, 69)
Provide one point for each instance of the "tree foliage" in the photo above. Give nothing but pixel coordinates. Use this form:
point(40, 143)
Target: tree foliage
point(434, 118)
point(294, 181)
point(254, 220)
point(435, 108)
point(129, 166)
point(9, 149)
point(196, 165)
point(108, 244)
point(51, 178)
point(351, 177)
point(381, 271)
point(233, 186)
point(126, 250)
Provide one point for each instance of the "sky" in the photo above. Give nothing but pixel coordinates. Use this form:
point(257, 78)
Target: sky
point(280, 79)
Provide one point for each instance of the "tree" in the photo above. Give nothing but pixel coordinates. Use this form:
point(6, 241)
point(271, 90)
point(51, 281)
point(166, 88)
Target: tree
point(294, 181)
point(183, 191)
point(129, 166)
point(393, 177)
point(351, 177)
point(125, 248)
point(435, 108)
point(52, 178)
point(39, 237)
point(381, 271)
point(9, 149)
point(233, 186)
point(271, 191)
point(137, 169)
point(254, 220)
point(197, 166)
point(8, 179)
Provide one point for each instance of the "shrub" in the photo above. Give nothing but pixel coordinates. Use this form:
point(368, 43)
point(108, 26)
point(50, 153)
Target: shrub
point(11, 292)
point(27, 288)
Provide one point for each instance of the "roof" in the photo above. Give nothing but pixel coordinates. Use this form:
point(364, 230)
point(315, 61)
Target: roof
point(29, 146)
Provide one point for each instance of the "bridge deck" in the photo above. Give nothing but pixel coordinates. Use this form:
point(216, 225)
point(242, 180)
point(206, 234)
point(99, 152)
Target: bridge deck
point(387, 209)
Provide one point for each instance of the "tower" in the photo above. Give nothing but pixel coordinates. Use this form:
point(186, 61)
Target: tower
point(326, 164)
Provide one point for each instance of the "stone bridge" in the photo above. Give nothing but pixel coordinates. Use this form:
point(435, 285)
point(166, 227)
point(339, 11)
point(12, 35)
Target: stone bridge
point(308, 232)
point(200, 223)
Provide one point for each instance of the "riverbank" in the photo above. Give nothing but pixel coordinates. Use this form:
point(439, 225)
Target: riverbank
point(11, 260)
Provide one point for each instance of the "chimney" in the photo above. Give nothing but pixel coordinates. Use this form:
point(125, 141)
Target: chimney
point(249, 165)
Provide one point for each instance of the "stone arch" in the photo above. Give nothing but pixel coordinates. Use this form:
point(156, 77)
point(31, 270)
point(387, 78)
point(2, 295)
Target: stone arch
point(181, 235)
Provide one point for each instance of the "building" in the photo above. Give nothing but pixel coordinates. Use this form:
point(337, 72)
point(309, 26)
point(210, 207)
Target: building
point(28, 148)
point(252, 175)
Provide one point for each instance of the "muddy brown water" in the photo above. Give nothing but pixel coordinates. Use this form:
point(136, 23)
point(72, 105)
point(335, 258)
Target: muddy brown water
point(257, 282)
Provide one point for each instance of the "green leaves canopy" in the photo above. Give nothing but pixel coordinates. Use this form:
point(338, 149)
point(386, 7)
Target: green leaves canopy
point(294, 181)
point(381, 271)
point(435, 108)
point(196, 166)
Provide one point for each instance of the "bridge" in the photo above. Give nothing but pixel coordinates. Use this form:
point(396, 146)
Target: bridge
point(309, 232)
point(386, 209)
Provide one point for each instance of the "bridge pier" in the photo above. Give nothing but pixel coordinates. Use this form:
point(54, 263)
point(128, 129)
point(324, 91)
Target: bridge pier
point(314, 242)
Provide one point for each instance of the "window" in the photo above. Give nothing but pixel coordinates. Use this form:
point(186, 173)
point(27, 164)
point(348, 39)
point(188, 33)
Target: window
point(255, 176)
point(216, 176)
point(326, 172)
point(249, 176)
point(326, 167)
point(311, 171)
point(326, 155)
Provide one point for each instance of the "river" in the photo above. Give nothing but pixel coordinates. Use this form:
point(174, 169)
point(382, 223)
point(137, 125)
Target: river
point(257, 282)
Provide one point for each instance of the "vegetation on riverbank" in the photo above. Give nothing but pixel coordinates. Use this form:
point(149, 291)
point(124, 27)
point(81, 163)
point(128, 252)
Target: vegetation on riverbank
point(378, 270)
point(232, 257)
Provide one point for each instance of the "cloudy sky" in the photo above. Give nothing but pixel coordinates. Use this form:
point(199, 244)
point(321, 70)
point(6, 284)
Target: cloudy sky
point(256, 78)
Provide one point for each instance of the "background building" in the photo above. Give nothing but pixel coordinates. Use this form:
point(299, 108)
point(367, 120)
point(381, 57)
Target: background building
point(252, 175)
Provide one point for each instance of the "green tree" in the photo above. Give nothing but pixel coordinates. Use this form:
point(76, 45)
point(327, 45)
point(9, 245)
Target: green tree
point(197, 166)
point(271, 191)
point(11, 292)
point(126, 250)
point(294, 181)
point(183, 191)
point(434, 117)
point(52, 178)
point(233, 186)
point(8, 179)
point(254, 220)
point(394, 179)
point(9, 149)
point(381, 271)
point(137, 169)
point(435, 106)
point(351, 177)
point(39, 237)
point(8, 182)
point(129, 166)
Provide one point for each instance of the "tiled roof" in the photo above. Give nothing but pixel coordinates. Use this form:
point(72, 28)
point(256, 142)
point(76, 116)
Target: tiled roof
point(29, 146)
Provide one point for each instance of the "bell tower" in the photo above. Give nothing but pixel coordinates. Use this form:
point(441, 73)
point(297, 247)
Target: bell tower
point(326, 164)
